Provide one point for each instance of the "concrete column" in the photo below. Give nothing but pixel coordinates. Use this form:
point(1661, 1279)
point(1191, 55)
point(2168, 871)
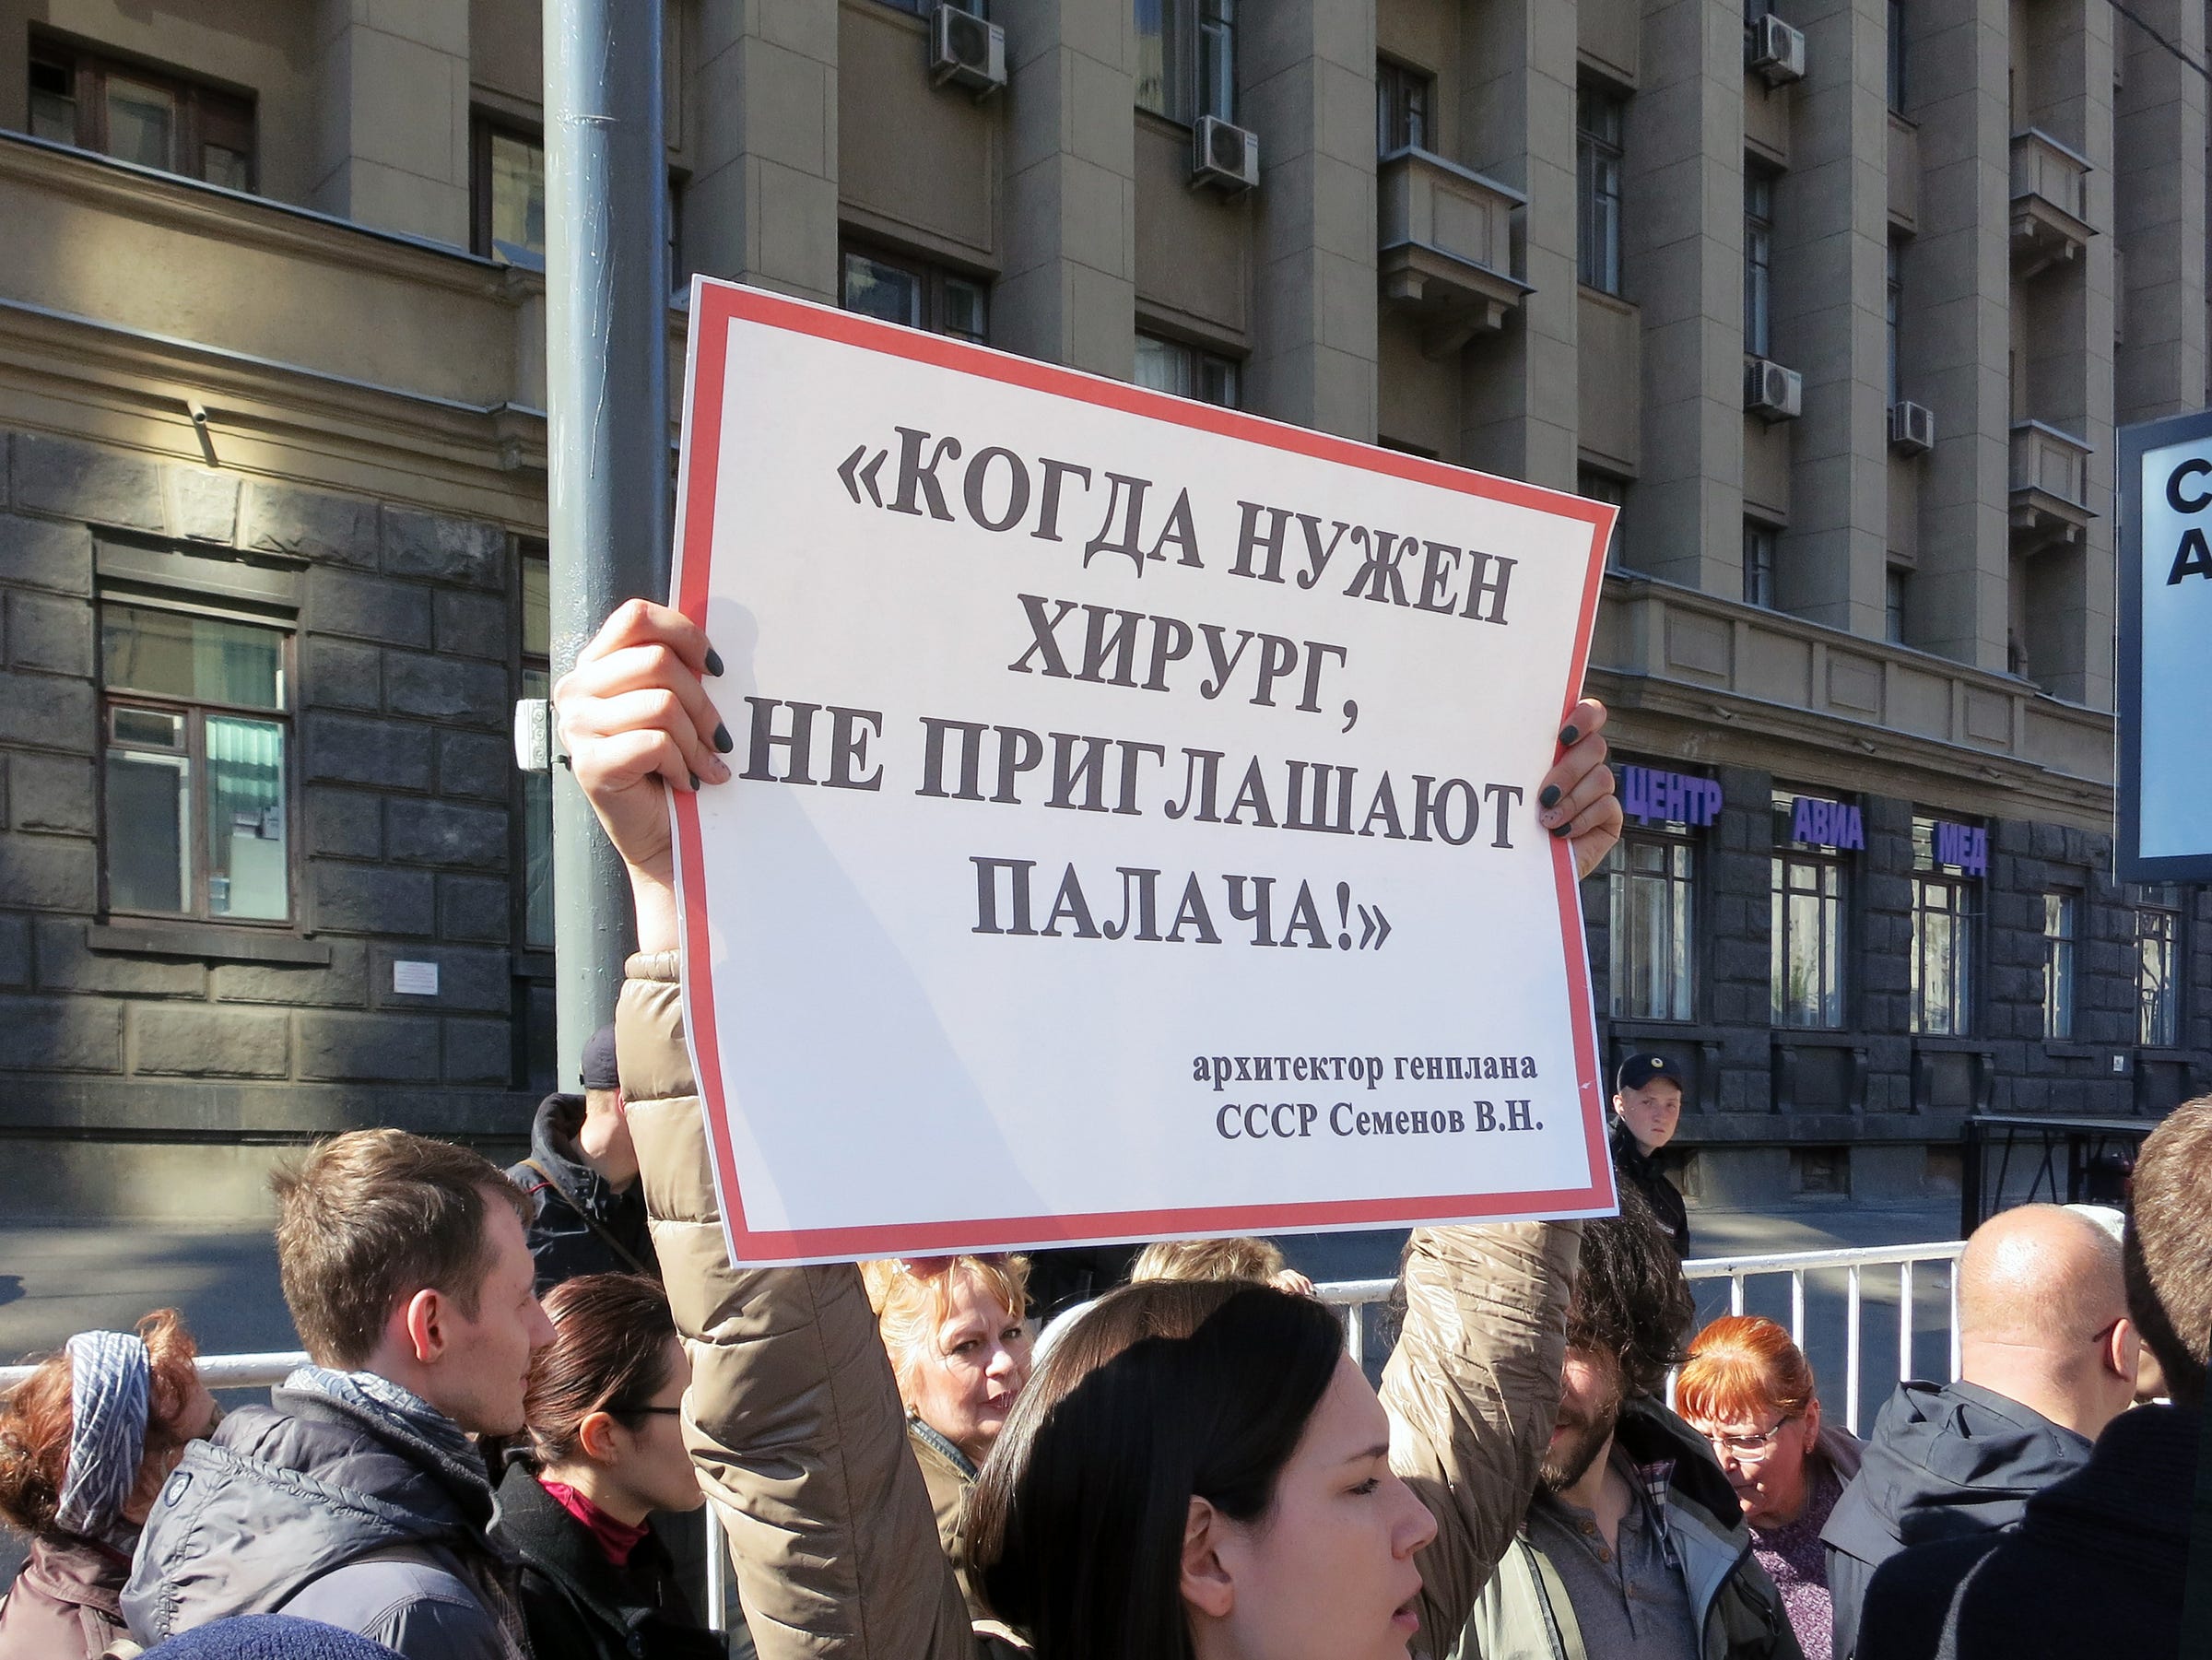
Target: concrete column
point(392, 97)
point(2070, 352)
point(1956, 327)
point(1068, 294)
point(762, 205)
point(1831, 236)
point(1682, 263)
point(1520, 394)
point(1308, 83)
point(2158, 220)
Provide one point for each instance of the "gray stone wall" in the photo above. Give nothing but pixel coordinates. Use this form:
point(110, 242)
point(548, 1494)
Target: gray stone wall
point(1876, 1086)
point(404, 844)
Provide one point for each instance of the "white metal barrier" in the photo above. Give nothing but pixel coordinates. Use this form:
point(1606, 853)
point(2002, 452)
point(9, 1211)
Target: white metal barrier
point(1853, 1264)
point(1355, 1297)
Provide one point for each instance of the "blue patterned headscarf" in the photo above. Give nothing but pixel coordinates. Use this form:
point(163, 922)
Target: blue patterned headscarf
point(111, 1390)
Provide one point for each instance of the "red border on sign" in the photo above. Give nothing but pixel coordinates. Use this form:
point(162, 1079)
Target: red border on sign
point(714, 306)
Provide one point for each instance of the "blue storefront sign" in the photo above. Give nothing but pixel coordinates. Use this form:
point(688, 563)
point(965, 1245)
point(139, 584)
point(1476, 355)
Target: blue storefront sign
point(1646, 793)
point(1964, 845)
point(1819, 823)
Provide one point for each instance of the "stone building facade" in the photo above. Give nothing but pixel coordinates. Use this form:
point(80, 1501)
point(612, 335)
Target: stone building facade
point(1841, 301)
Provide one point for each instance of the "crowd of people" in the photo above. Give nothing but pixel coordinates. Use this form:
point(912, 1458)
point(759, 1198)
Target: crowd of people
point(520, 1382)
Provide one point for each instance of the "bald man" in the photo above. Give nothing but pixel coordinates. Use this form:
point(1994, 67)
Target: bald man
point(2047, 1358)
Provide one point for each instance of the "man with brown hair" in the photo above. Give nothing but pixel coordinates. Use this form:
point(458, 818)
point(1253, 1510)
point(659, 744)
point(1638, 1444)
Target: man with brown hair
point(1633, 1543)
point(357, 1497)
point(2098, 1562)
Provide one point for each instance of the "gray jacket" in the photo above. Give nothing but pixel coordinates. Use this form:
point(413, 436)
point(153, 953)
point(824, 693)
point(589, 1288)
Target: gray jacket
point(1525, 1612)
point(309, 1507)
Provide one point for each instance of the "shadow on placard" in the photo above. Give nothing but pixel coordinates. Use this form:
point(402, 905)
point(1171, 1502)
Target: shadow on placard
point(832, 954)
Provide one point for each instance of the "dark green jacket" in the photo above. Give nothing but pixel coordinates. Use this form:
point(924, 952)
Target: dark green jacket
point(1524, 1614)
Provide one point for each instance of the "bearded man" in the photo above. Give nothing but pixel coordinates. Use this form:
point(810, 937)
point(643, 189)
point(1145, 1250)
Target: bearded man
point(1634, 1546)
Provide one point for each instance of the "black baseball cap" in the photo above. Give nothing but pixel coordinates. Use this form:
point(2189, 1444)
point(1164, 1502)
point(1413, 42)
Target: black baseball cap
point(1638, 1070)
point(599, 1060)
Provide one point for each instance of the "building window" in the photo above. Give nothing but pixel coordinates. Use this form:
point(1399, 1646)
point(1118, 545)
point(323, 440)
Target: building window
point(1760, 544)
point(1403, 99)
point(1897, 55)
point(1944, 906)
point(1186, 58)
point(537, 787)
point(898, 289)
point(1806, 888)
point(1597, 152)
point(509, 194)
point(1893, 605)
point(1892, 317)
point(1184, 370)
point(1649, 883)
point(196, 710)
point(1606, 487)
point(2061, 929)
point(148, 116)
point(1759, 261)
point(2157, 960)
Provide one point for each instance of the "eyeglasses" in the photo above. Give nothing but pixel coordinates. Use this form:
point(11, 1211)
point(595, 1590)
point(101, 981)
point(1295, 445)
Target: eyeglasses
point(1747, 1446)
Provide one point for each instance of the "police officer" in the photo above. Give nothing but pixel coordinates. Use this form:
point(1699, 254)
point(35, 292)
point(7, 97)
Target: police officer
point(1647, 1107)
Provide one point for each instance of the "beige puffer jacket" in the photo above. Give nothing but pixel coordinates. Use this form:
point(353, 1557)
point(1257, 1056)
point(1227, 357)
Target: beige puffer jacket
point(798, 1430)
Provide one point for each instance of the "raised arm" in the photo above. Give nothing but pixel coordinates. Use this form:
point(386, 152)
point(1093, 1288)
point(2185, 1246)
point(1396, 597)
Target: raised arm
point(1472, 1390)
point(792, 1418)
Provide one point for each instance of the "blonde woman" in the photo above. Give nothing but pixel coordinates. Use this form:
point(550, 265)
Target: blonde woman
point(956, 1333)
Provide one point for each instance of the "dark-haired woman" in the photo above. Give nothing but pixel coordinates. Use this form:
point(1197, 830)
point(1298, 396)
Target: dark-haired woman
point(1199, 1472)
point(604, 1451)
point(86, 1443)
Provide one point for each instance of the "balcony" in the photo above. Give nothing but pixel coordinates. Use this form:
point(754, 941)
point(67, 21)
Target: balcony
point(1669, 659)
point(1445, 249)
point(2050, 487)
point(297, 330)
point(2050, 188)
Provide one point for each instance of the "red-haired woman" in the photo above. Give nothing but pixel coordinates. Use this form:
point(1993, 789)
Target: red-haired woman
point(1749, 1391)
point(604, 1450)
point(86, 1443)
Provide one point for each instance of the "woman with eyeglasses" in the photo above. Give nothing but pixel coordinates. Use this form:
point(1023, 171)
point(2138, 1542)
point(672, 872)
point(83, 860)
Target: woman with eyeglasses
point(1750, 1392)
point(956, 1333)
point(603, 1449)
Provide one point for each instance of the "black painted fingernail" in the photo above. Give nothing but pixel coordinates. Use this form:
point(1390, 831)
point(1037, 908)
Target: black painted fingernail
point(1568, 734)
point(695, 781)
point(1561, 830)
point(722, 740)
point(1549, 795)
point(714, 661)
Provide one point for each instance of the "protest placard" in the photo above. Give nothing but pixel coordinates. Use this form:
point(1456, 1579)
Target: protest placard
point(1134, 829)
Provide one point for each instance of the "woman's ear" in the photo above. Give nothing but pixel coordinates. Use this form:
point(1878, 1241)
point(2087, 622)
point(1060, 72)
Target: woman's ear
point(595, 1437)
point(1206, 1584)
point(1812, 1421)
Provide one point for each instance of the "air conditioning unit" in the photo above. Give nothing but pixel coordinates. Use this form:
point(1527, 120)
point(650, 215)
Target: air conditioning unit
point(1912, 429)
point(1771, 392)
point(1224, 157)
point(966, 51)
point(1773, 50)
